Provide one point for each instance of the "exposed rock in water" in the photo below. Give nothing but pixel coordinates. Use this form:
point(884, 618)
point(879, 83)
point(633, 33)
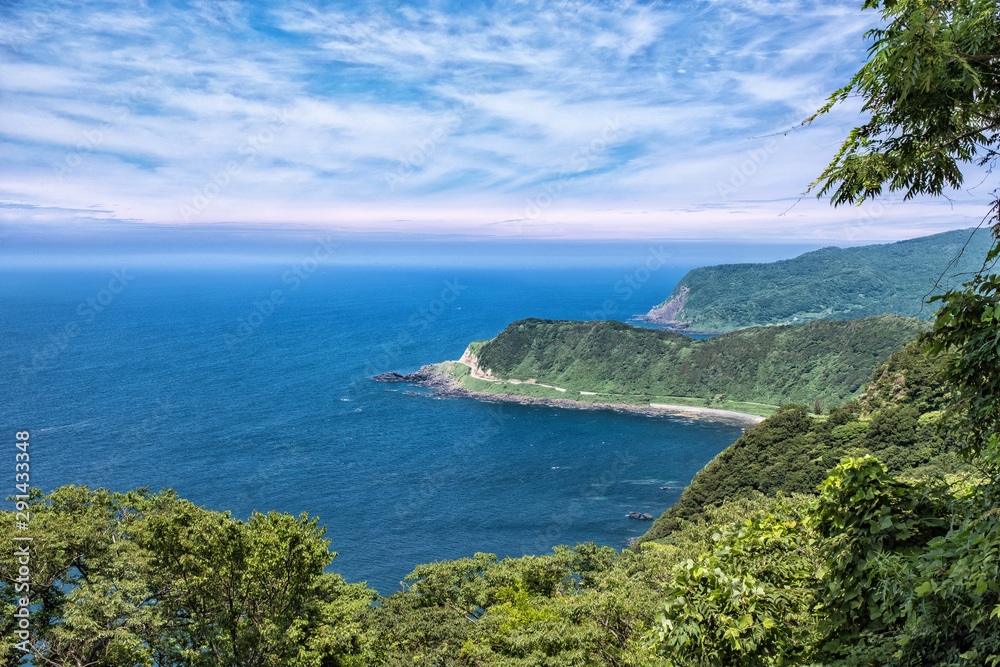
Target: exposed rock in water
point(641, 517)
point(393, 376)
point(445, 387)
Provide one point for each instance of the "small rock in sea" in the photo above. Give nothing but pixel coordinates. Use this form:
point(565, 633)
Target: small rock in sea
point(642, 517)
point(391, 376)
point(411, 393)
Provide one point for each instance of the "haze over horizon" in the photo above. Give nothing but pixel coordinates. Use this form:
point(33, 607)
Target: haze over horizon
point(509, 119)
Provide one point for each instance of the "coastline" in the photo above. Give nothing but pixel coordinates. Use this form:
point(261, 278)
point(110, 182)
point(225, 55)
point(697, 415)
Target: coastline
point(447, 387)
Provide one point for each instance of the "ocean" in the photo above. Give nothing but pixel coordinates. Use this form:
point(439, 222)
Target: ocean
point(245, 385)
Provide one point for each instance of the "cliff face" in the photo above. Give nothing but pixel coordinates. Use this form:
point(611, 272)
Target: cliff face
point(469, 359)
point(472, 361)
point(671, 312)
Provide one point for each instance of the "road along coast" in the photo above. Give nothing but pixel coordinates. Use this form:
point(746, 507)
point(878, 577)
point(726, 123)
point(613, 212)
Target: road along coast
point(436, 377)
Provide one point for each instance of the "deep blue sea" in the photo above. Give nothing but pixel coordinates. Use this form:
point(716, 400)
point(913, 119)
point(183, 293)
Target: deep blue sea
point(246, 386)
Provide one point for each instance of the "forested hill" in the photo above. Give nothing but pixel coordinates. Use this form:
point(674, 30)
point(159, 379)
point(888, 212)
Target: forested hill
point(824, 360)
point(895, 420)
point(831, 283)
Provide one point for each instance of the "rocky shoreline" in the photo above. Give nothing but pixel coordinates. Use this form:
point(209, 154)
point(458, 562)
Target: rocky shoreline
point(444, 386)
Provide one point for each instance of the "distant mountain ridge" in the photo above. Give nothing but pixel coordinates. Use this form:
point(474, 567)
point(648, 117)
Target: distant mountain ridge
point(830, 283)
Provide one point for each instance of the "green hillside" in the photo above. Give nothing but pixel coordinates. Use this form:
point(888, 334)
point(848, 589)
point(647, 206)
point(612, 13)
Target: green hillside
point(831, 283)
point(128, 579)
point(824, 360)
point(895, 420)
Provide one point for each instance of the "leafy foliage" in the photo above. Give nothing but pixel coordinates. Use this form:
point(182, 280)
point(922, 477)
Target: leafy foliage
point(582, 606)
point(149, 579)
point(931, 87)
point(932, 90)
point(871, 571)
point(772, 365)
point(911, 571)
point(967, 329)
point(866, 513)
point(832, 283)
point(895, 419)
point(748, 600)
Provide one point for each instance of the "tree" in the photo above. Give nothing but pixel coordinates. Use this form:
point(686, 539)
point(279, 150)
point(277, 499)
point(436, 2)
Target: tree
point(932, 87)
point(747, 601)
point(88, 607)
point(125, 579)
point(912, 581)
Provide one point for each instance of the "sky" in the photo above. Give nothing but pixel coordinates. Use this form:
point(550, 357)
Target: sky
point(512, 119)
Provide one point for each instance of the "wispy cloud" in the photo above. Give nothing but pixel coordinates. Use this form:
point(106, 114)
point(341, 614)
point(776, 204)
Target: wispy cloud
point(449, 118)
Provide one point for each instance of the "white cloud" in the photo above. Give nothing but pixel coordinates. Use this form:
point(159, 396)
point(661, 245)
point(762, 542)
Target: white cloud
point(447, 119)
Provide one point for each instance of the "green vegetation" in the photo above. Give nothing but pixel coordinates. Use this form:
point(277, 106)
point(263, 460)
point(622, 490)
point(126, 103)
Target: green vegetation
point(149, 579)
point(754, 573)
point(895, 419)
point(851, 577)
point(461, 374)
point(824, 360)
point(931, 89)
point(875, 569)
point(123, 579)
point(832, 283)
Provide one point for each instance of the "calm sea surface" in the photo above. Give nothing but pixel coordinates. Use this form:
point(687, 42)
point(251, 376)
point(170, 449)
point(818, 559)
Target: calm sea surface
point(242, 398)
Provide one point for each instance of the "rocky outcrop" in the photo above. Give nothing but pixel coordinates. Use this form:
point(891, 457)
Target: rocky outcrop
point(468, 358)
point(472, 361)
point(420, 377)
point(670, 312)
point(641, 517)
point(445, 387)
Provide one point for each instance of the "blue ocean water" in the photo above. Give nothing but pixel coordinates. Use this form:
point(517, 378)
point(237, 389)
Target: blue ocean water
point(247, 387)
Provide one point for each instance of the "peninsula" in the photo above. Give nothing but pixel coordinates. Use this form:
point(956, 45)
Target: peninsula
point(741, 376)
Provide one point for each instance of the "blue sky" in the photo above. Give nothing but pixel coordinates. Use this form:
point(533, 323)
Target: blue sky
point(510, 118)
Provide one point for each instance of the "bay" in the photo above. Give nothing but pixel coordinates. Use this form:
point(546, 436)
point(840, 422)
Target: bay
point(246, 386)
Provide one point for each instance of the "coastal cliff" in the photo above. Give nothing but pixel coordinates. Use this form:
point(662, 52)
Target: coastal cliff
point(671, 311)
point(831, 283)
